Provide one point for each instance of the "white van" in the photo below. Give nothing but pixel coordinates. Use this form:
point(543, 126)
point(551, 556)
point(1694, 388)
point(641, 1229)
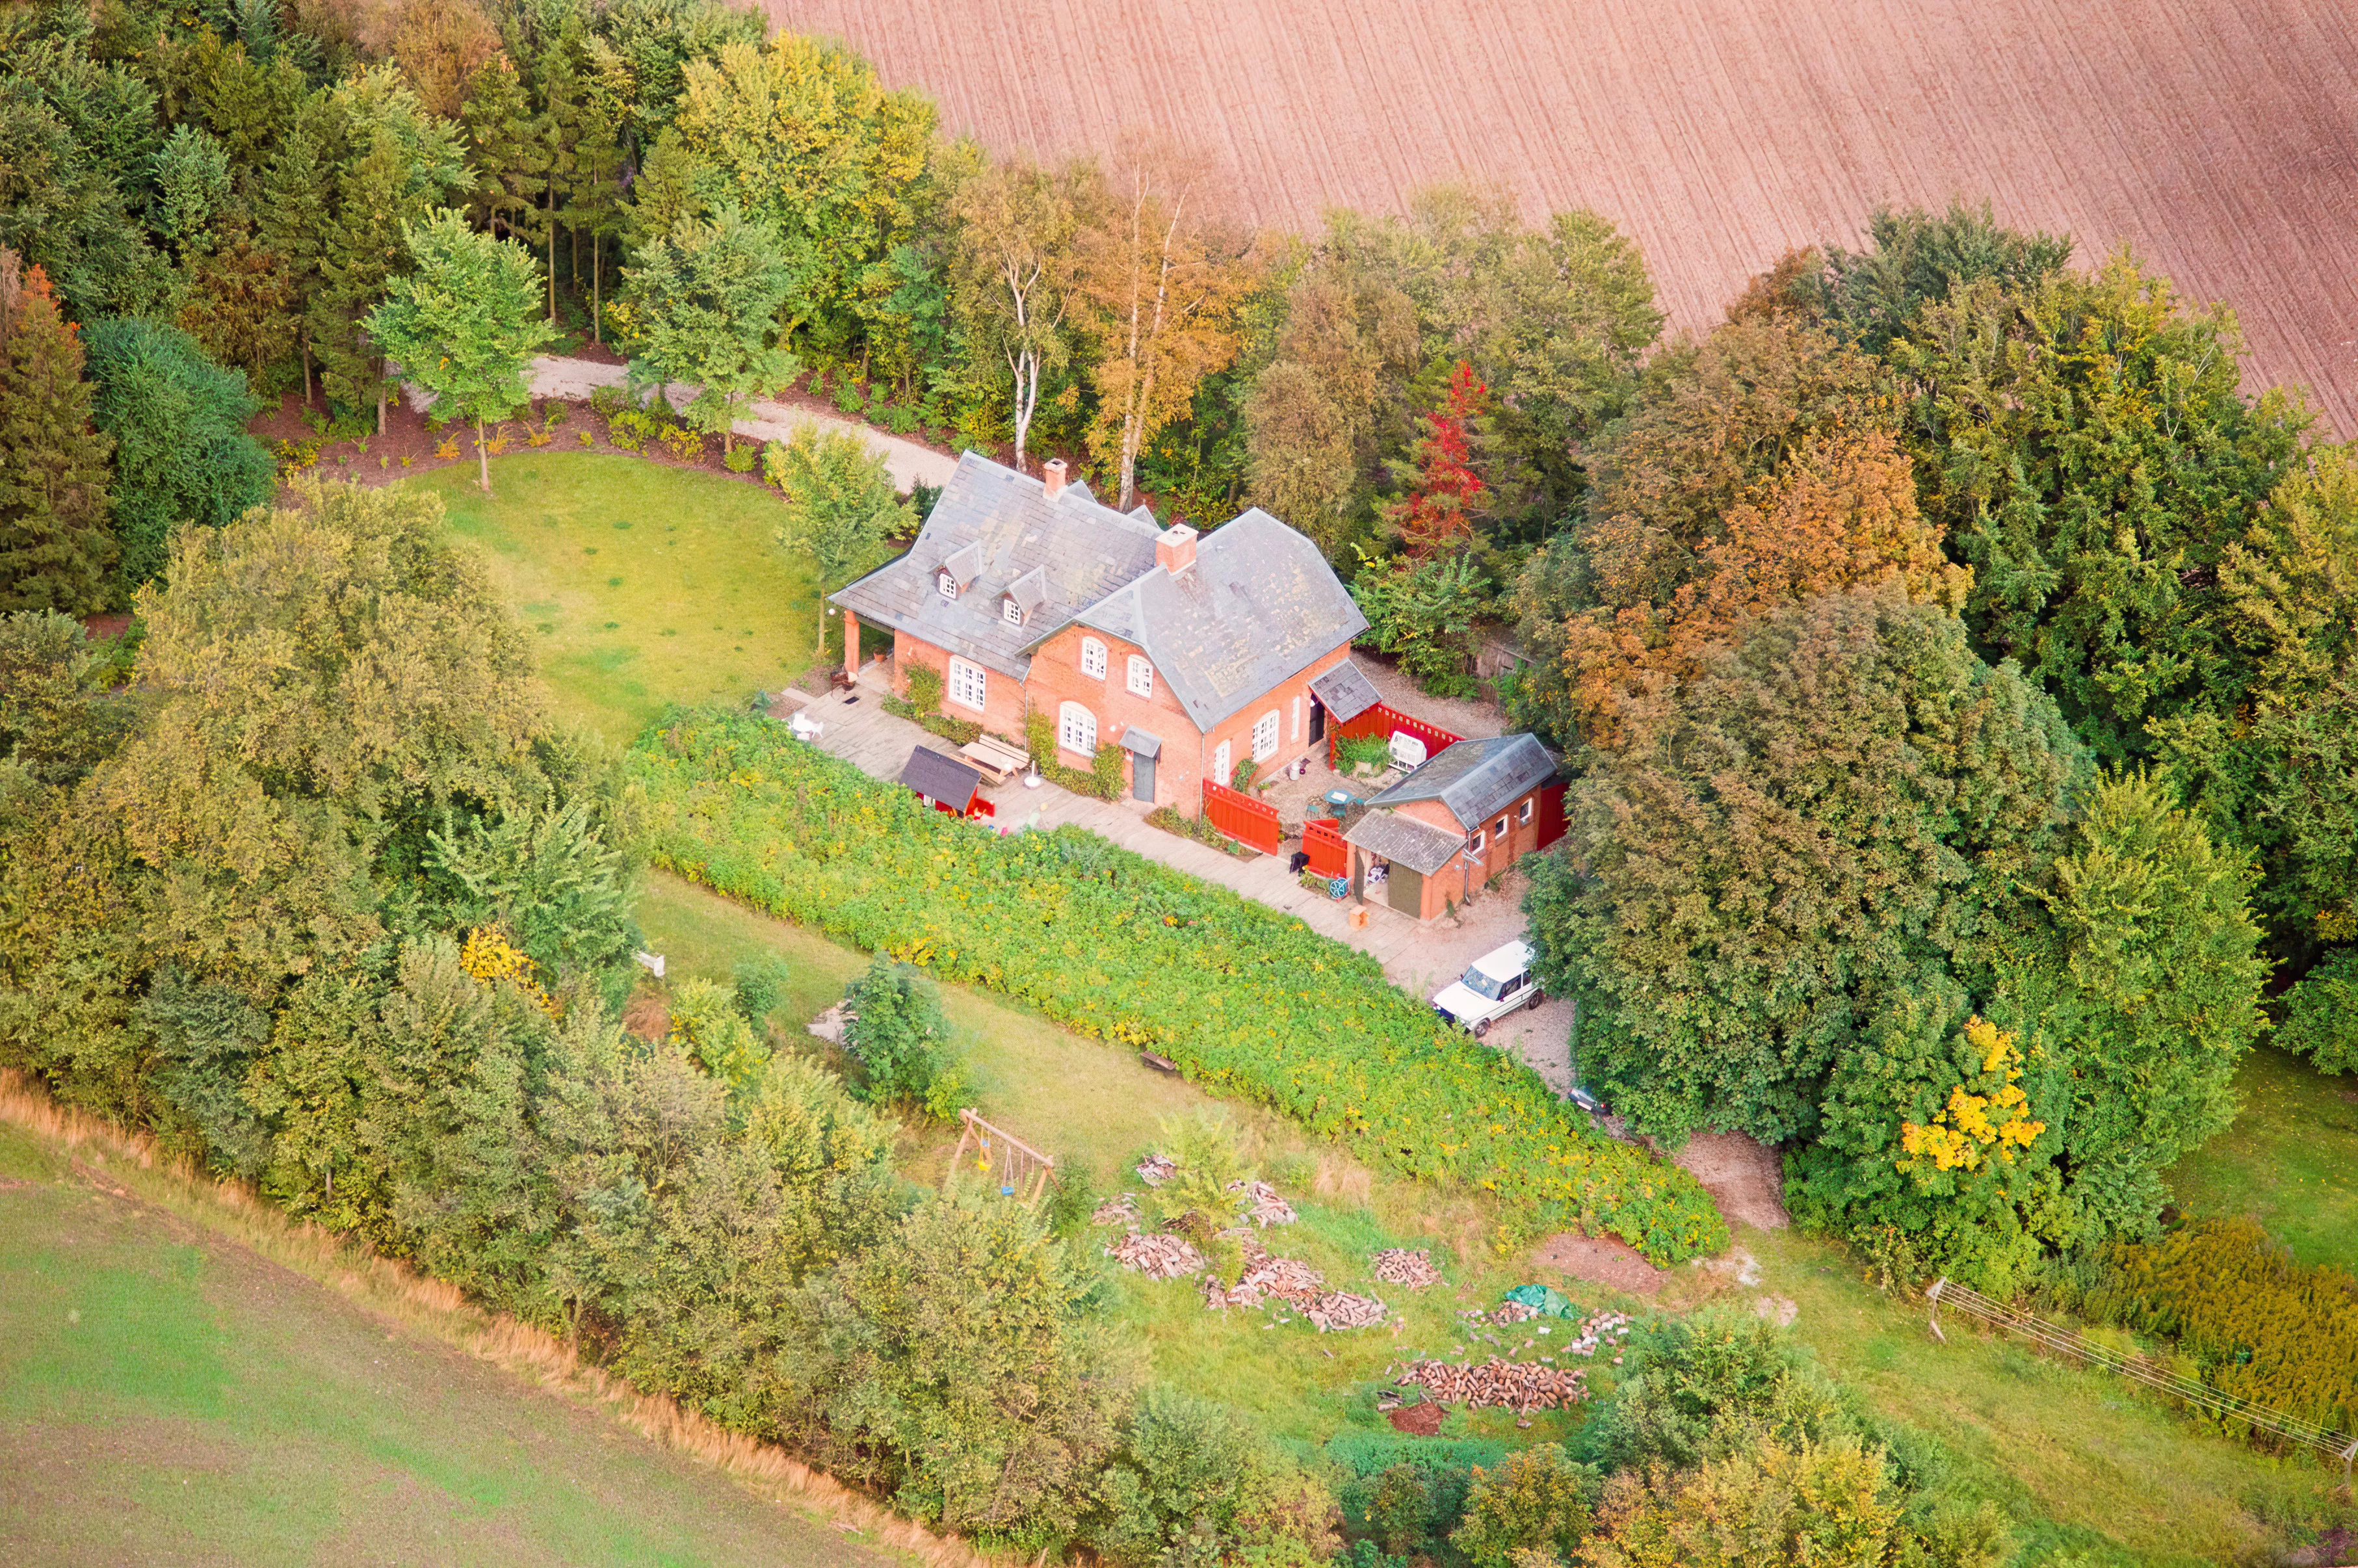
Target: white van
point(1493, 986)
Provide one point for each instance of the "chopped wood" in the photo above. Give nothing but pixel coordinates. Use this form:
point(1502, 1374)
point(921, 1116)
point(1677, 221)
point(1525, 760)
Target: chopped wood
point(1519, 1386)
point(1157, 1255)
point(1513, 1312)
point(1157, 1169)
point(1341, 1309)
point(1266, 1208)
point(1119, 1209)
point(1399, 1266)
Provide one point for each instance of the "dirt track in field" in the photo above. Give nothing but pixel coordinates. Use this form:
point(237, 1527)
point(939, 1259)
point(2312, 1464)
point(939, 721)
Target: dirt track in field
point(2218, 137)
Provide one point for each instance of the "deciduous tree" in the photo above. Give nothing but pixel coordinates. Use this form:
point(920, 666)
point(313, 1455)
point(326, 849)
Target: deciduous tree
point(841, 507)
point(704, 300)
point(1163, 272)
point(465, 324)
point(1014, 272)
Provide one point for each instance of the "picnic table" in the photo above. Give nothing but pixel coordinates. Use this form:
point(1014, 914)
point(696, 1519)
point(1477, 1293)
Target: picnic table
point(997, 760)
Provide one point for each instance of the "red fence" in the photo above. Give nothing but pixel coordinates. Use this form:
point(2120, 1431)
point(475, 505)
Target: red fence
point(1321, 840)
point(1388, 722)
point(1242, 817)
point(1551, 814)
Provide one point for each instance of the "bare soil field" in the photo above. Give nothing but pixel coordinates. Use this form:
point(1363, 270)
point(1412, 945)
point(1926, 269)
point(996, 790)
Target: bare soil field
point(2217, 137)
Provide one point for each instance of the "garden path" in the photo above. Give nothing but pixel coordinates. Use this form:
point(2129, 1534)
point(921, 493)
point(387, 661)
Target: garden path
point(1418, 958)
point(554, 376)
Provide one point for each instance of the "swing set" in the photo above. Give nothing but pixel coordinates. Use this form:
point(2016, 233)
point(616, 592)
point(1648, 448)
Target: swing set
point(1019, 1171)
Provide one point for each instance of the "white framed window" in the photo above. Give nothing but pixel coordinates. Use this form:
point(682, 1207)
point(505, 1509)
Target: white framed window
point(1077, 729)
point(947, 584)
point(1142, 676)
point(1478, 842)
point(967, 684)
point(1093, 657)
point(1222, 770)
point(1265, 736)
point(1011, 612)
point(1501, 829)
point(1524, 815)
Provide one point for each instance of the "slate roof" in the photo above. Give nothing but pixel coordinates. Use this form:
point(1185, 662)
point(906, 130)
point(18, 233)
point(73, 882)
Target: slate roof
point(938, 776)
point(1001, 526)
point(1476, 779)
point(1259, 604)
point(1405, 841)
point(1345, 692)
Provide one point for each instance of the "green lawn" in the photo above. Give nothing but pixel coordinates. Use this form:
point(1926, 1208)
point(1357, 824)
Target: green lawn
point(642, 584)
point(2078, 1460)
point(2291, 1158)
point(167, 1395)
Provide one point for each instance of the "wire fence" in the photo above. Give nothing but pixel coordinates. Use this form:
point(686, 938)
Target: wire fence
point(2138, 1370)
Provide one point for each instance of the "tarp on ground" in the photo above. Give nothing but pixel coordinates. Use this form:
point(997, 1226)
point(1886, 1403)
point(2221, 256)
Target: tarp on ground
point(1549, 1302)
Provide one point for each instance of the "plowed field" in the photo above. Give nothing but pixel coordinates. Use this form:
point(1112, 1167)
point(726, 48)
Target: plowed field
point(2218, 137)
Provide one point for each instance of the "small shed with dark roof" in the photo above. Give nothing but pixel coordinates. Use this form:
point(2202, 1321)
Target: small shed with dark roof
point(1474, 780)
point(941, 781)
point(1345, 692)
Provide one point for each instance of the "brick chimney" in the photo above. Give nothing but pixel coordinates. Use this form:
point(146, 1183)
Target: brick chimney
point(1051, 474)
point(1174, 548)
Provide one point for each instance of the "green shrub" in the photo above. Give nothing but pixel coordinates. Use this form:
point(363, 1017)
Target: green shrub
point(1709, 1386)
point(1247, 1000)
point(763, 985)
point(740, 458)
point(1101, 780)
point(1359, 751)
point(2320, 1014)
point(1188, 1467)
point(704, 1018)
point(1537, 1497)
point(2258, 1325)
point(894, 1029)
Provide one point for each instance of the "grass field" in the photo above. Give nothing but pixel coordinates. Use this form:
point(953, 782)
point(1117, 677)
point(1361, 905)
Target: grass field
point(2291, 1158)
point(642, 584)
point(169, 1395)
point(2079, 1461)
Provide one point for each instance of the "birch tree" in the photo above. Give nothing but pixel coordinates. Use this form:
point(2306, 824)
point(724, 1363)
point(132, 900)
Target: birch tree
point(1013, 273)
point(1162, 275)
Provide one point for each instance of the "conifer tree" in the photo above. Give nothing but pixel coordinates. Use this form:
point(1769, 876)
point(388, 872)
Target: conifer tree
point(294, 226)
point(563, 94)
point(509, 148)
point(1445, 495)
point(240, 304)
point(365, 250)
point(593, 195)
point(54, 544)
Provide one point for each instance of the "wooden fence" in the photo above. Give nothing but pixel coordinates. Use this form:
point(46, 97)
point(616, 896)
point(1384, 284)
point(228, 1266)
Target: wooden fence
point(1321, 840)
point(1387, 722)
point(1242, 817)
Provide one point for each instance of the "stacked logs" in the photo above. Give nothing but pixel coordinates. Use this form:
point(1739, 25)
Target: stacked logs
point(1264, 1207)
point(1158, 1255)
point(1397, 1266)
point(1519, 1386)
point(1339, 1310)
point(1119, 1209)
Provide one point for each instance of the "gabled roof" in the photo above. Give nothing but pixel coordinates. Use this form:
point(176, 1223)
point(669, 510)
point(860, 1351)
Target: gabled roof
point(1029, 591)
point(1071, 550)
point(1405, 841)
point(1475, 778)
point(940, 777)
point(1259, 604)
point(1345, 692)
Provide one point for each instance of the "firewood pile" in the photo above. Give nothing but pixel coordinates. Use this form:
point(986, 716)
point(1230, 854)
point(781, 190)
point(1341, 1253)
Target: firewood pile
point(1266, 1208)
point(1397, 1266)
point(1340, 1309)
point(1119, 1209)
point(1157, 1169)
point(1601, 1331)
point(1519, 1386)
point(1288, 1278)
point(1156, 1254)
point(1513, 1312)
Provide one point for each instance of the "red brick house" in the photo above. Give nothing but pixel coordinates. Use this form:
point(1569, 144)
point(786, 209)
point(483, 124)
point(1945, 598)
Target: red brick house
point(1192, 653)
point(1468, 814)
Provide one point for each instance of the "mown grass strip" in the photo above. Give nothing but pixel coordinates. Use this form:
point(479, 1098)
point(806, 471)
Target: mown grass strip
point(1248, 1000)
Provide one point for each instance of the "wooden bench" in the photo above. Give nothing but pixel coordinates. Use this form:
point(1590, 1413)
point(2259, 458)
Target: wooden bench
point(999, 761)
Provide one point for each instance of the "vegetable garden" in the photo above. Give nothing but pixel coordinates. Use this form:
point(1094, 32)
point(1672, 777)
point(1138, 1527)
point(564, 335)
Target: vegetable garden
point(1245, 1000)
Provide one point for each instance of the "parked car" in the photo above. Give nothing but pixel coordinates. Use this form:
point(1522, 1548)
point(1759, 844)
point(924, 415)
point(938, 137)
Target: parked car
point(1493, 986)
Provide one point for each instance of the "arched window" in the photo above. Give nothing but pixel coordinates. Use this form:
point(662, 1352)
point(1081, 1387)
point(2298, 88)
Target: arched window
point(1093, 657)
point(1142, 676)
point(1077, 729)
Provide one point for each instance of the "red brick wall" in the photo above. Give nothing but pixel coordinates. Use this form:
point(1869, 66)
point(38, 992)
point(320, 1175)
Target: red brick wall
point(1290, 698)
point(1002, 695)
point(1056, 679)
point(1497, 853)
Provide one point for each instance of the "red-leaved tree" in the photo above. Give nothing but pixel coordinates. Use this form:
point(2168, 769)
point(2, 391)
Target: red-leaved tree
point(1445, 493)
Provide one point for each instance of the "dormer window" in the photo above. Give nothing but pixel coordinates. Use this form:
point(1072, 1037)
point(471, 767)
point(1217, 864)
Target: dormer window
point(1011, 613)
point(947, 584)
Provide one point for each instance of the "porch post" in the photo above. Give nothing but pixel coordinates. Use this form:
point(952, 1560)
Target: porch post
point(852, 644)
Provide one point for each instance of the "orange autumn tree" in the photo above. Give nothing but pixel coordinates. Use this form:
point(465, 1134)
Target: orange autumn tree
point(1840, 513)
point(1445, 493)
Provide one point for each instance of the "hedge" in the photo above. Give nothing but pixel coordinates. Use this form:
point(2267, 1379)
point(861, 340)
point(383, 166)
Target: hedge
point(1248, 1000)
